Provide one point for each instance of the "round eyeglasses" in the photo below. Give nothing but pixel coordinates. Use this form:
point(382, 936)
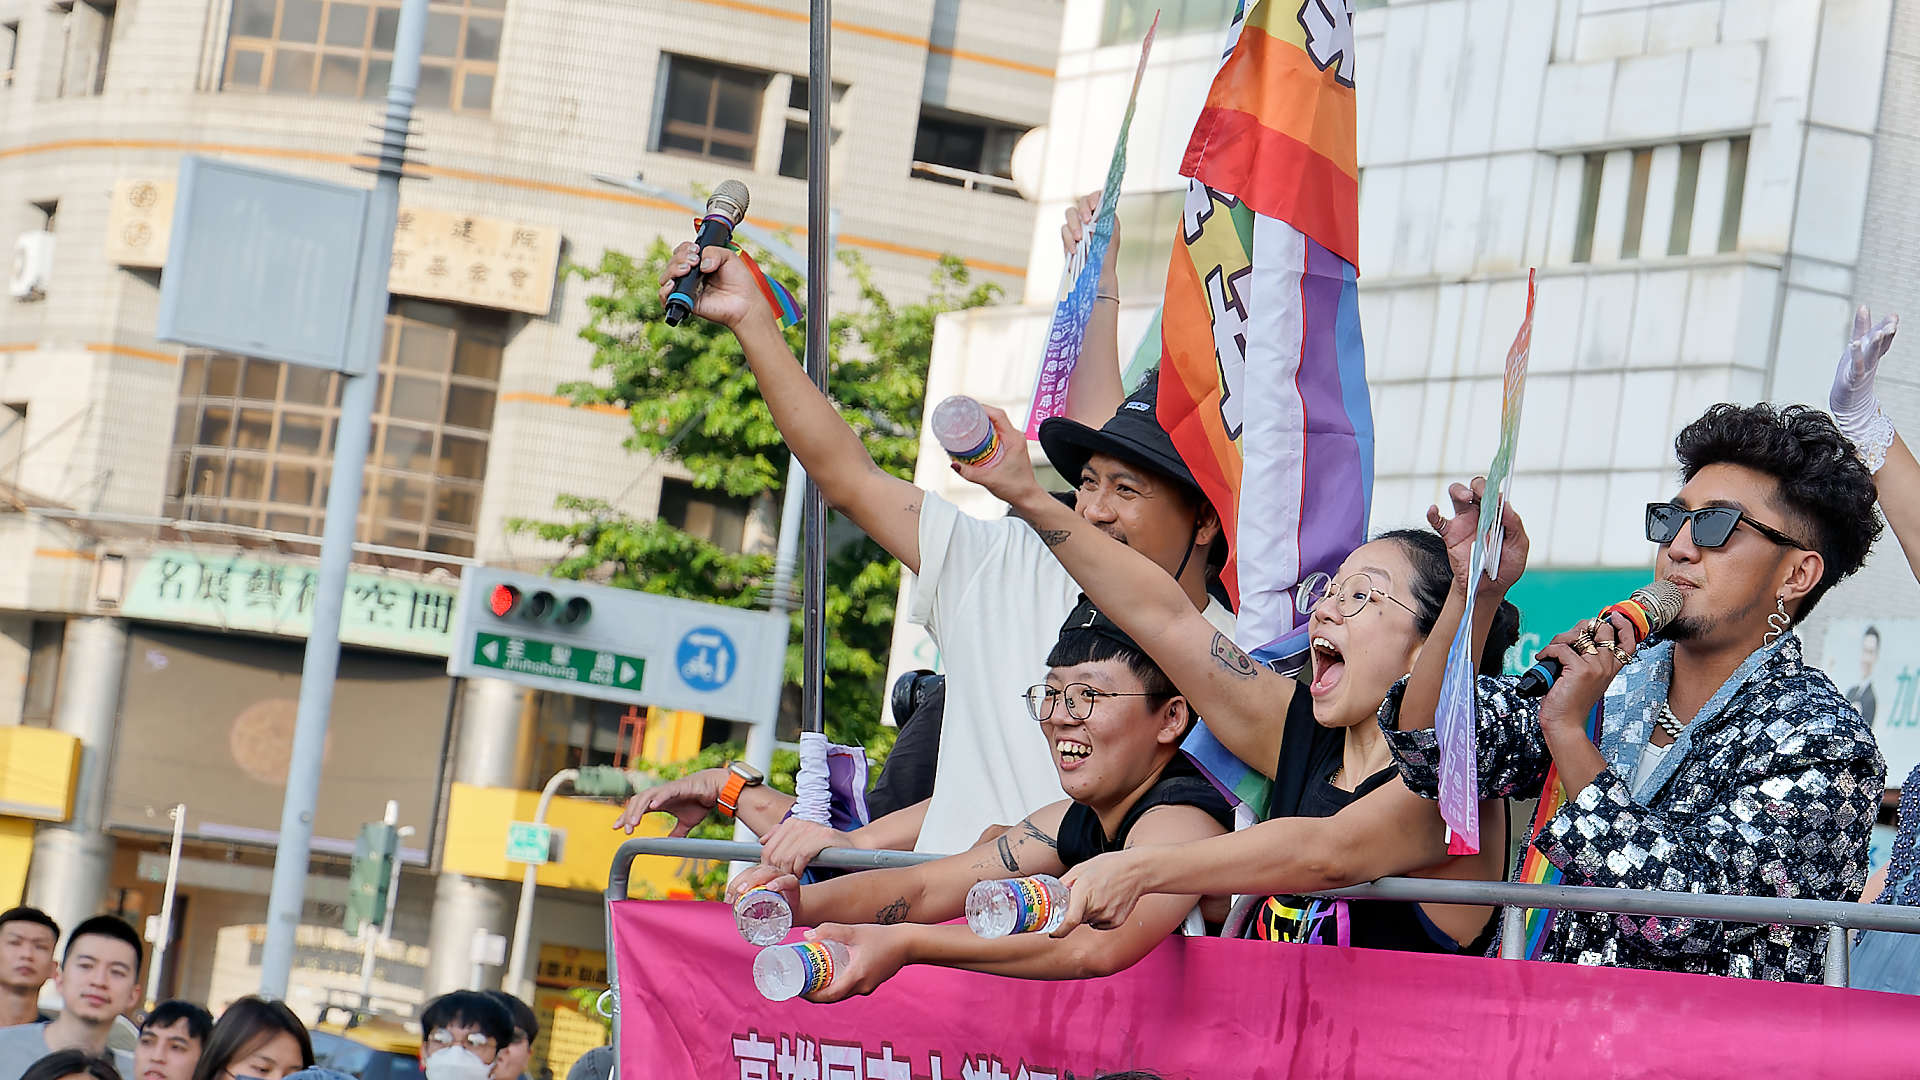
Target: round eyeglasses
point(480, 1043)
point(1349, 596)
point(1041, 699)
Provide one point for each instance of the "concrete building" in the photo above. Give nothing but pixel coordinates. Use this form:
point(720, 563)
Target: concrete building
point(162, 504)
point(1707, 188)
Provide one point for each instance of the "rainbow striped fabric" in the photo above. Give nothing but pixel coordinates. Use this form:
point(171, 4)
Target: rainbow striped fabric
point(1534, 867)
point(1263, 373)
point(785, 307)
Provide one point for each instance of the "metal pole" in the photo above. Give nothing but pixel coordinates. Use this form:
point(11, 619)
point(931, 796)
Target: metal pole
point(529, 885)
point(343, 510)
point(819, 273)
point(1513, 933)
point(1839, 956)
point(166, 906)
point(367, 939)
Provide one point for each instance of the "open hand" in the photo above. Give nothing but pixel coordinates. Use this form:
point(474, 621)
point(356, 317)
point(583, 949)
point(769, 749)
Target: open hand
point(1853, 392)
point(1458, 532)
point(1102, 891)
point(874, 955)
point(689, 799)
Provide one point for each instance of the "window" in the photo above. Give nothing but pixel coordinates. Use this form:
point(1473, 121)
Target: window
point(44, 652)
point(344, 49)
point(1126, 21)
point(87, 28)
point(253, 439)
point(710, 110)
point(965, 151)
point(710, 515)
point(1707, 178)
point(793, 143)
point(9, 50)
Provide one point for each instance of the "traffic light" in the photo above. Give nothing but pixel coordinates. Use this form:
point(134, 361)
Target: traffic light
point(371, 875)
point(540, 606)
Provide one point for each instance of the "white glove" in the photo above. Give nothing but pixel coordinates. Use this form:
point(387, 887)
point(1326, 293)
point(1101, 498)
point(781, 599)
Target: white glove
point(1854, 405)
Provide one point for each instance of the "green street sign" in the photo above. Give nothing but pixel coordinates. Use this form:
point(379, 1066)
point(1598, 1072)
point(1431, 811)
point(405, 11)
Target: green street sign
point(552, 660)
point(528, 842)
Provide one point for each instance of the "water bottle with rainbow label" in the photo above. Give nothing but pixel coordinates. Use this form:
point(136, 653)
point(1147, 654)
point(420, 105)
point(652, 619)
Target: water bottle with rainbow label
point(762, 915)
point(966, 431)
point(1028, 905)
point(783, 972)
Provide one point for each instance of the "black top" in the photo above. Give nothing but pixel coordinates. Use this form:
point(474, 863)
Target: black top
point(1303, 787)
point(907, 777)
point(1180, 784)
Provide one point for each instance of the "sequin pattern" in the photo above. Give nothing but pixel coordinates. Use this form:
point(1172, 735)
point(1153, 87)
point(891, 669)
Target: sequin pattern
point(1772, 791)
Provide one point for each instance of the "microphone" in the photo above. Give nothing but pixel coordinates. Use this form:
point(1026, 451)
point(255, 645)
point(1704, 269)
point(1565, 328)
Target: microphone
point(1650, 608)
point(726, 209)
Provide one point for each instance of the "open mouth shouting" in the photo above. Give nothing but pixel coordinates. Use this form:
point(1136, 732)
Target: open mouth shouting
point(1328, 667)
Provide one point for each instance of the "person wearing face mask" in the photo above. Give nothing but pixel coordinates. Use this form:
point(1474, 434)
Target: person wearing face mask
point(1339, 814)
point(255, 1039)
point(462, 1035)
point(511, 1064)
point(1114, 723)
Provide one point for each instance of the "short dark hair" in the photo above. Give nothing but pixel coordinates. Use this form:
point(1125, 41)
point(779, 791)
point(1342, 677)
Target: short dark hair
point(245, 1025)
point(522, 1014)
point(107, 926)
point(469, 1007)
point(30, 915)
point(168, 1013)
point(1433, 579)
point(1089, 647)
point(1872, 632)
point(64, 1063)
point(1818, 475)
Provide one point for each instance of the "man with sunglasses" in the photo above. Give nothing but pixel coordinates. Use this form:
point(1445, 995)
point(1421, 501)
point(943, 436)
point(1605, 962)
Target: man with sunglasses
point(1715, 760)
point(1114, 723)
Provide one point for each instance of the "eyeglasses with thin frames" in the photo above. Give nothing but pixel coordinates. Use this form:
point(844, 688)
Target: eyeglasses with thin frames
point(1351, 596)
point(481, 1044)
point(1041, 698)
point(1712, 525)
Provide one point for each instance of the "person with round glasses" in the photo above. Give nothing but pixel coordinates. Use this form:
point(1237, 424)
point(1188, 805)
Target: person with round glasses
point(461, 1035)
point(1337, 813)
point(1113, 723)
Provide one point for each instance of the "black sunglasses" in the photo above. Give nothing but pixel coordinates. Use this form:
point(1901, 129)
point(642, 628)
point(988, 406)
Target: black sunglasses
point(1712, 525)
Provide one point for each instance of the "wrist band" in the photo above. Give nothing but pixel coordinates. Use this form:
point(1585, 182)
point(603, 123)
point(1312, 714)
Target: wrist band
point(1105, 296)
point(730, 795)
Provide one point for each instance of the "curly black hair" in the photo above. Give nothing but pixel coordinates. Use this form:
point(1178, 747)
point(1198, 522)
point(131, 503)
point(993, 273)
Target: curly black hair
point(1822, 483)
point(1433, 578)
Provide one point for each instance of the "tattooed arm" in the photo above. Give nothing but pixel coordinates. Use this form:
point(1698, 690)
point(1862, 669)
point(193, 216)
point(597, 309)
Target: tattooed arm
point(931, 892)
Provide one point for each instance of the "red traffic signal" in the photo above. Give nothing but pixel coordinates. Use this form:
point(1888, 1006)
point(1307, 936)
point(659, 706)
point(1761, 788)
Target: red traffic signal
point(541, 606)
point(503, 600)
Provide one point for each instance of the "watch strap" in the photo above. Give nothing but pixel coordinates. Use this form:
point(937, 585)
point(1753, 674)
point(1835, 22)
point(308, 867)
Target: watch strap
point(730, 794)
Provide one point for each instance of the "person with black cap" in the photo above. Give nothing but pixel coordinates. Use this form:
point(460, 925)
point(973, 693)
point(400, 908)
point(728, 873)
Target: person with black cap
point(1114, 723)
point(989, 592)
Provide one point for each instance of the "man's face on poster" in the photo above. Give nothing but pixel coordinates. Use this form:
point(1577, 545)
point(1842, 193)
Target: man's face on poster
point(1869, 654)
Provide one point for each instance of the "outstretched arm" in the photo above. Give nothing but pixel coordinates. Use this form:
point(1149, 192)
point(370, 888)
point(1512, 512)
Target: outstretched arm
point(1243, 700)
point(1095, 390)
point(885, 506)
point(1855, 404)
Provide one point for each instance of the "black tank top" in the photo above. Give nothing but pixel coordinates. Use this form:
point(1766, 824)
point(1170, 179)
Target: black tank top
point(1303, 787)
point(1180, 784)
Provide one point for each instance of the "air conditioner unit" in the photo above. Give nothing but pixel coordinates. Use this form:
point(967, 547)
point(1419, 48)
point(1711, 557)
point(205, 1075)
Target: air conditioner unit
point(32, 265)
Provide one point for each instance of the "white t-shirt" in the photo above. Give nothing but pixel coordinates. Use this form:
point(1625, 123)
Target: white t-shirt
point(1650, 758)
point(24, 1044)
point(992, 597)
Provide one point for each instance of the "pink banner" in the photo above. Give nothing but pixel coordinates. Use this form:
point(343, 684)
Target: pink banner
point(1207, 1009)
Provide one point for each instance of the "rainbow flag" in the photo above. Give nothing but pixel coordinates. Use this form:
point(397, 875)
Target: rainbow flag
point(1263, 373)
point(1534, 867)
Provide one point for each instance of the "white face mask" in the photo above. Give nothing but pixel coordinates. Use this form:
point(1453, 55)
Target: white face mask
point(457, 1063)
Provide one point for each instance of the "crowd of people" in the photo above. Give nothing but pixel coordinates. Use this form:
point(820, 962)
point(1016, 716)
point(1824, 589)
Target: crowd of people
point(465, 1035)
point(1713, 758)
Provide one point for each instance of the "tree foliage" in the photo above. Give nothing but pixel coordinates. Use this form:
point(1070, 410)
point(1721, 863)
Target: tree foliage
point(692, 397)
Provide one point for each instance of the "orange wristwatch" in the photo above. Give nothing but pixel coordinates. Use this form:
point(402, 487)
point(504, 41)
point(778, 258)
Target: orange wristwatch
point(743, 777)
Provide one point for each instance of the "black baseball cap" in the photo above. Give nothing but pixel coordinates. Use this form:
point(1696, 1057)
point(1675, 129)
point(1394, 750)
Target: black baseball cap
point(1133, 434)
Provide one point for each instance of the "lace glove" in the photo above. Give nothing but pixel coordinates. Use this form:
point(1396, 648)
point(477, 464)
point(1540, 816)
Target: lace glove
point(1855, 407)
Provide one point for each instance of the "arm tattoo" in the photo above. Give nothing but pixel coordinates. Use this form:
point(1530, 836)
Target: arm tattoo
point(914, 506)
point(895, 912)
point(1006, 854)
point(1053, 538)
point(1033, 832)
point(1231, 657)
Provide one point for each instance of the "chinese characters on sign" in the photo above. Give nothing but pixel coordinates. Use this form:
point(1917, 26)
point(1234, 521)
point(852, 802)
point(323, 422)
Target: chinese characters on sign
point(801, 1057)
point(488, 262)
point(242, 592)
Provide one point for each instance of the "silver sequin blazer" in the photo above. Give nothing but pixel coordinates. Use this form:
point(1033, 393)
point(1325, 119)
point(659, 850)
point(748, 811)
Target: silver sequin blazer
point(1771, 791)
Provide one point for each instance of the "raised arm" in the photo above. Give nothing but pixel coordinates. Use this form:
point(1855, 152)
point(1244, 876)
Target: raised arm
point(1095, 390)
point(1243, 700)
point(877, 952)
point(1855, 405)
point(884, 505)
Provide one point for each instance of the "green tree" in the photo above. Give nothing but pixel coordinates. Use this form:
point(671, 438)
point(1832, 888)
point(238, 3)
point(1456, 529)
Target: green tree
point(692, 397)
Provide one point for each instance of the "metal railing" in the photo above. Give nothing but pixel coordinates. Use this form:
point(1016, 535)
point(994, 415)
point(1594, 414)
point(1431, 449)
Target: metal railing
point(964, 178)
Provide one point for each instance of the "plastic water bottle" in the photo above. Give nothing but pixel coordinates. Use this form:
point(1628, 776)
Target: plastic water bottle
point(782, 972)
point(1029, 905)
point(965, 431)
point(763, 916)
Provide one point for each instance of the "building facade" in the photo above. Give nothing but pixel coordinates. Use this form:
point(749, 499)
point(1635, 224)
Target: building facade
point(1707, 188)
point(157, 550)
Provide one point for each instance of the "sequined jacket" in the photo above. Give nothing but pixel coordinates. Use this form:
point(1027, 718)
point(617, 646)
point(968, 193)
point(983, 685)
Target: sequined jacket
point(1770, 791)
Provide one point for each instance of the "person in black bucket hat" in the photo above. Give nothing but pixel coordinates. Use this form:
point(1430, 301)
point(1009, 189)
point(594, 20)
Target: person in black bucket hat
point(989, 591)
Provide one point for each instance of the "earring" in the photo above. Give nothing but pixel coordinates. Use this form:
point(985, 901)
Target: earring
point(1777, 623)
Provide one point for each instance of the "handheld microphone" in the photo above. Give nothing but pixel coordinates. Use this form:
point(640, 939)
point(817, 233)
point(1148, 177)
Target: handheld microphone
point(1650, 608)
point(726, 209)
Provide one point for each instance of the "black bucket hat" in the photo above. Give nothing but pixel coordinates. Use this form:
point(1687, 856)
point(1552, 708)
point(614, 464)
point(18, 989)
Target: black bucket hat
point(1133, 434)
